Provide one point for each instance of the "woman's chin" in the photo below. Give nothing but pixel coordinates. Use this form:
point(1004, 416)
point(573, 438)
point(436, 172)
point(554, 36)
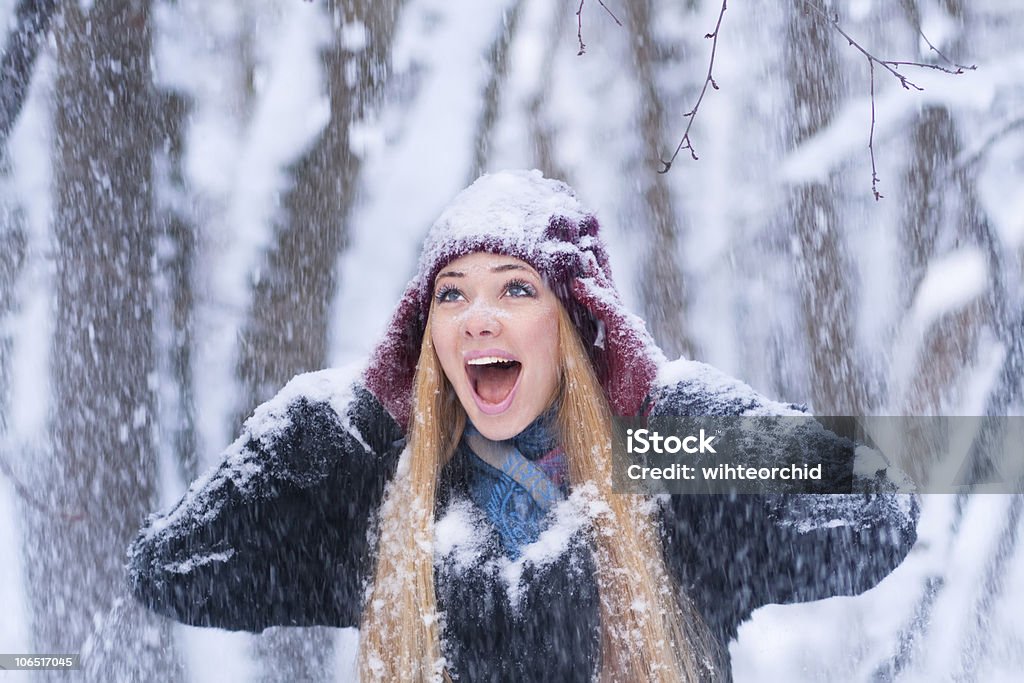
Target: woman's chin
point(496, 420)
point(503, 425)
point(500, 427)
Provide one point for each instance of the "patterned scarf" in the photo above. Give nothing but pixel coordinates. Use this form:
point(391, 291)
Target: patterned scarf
point(516, 482)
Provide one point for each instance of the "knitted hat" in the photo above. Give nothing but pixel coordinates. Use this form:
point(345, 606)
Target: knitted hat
point(538, 220)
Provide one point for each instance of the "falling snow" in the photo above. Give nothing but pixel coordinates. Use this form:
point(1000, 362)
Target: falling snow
point(931, 276)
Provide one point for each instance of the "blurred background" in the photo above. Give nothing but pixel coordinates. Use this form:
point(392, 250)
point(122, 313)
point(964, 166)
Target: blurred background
point(201, 199)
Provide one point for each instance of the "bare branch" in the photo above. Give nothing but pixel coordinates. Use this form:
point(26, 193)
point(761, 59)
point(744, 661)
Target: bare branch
point(924, 65)
point(890, 65)
point(579, 28)
point(610, 13)
point(959, 68)
point(685, 142)
point(579, 23)
point(871, 135)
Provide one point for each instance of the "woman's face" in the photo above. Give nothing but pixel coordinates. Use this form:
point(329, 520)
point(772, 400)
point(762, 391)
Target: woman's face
point(494, 327)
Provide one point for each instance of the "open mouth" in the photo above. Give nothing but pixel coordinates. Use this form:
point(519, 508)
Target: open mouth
point(494, 380)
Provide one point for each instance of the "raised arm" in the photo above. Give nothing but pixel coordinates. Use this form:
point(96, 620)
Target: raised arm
point(735, 553)
point(276, 534)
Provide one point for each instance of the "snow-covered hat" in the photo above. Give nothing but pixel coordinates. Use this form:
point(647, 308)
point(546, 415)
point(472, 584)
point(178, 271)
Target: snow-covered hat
point(539, 220)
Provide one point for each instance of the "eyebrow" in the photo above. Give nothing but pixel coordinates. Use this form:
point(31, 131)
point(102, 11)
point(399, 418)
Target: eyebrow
point(509, 266)
point(503, 268)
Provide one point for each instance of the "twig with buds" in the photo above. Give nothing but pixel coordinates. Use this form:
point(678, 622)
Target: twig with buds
point(685, 142)
point(890, 65)
point(579, 23)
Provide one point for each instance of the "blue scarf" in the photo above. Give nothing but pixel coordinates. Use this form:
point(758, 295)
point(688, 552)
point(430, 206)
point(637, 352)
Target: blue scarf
point(516, 482)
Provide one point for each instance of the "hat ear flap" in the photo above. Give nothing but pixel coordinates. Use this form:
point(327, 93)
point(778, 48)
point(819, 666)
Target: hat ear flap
point(392, 367)
point(620, 346)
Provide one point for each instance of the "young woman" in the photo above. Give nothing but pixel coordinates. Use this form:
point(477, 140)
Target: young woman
point(453, 500)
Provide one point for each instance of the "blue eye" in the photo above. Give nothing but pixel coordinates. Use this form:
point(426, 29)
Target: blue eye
point(448, 293)
point(518, 288)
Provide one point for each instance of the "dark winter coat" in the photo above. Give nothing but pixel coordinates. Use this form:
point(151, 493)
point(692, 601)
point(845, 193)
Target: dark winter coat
point(278, 533)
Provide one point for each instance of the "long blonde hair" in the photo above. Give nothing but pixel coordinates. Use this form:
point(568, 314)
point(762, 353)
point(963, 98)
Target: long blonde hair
point(649, 631)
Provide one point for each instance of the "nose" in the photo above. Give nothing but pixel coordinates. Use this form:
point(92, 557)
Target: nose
point(481, 321)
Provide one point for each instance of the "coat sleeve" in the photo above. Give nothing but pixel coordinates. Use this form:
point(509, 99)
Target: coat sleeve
point(276, 534)
point(735, 553)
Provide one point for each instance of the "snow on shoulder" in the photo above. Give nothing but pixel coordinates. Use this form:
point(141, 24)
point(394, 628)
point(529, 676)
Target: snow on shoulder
point(240, 465)
point(333, 386)
point(713, 387)
point(712, 392)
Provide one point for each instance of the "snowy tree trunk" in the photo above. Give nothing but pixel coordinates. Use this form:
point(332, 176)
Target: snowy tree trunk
point(823, 271)
point(12, 258)
point(1005, 300)
point(662, 285)
point(27, 36)
point(542, 138)
point(498, 65)
point(287, 329)
point(13, 246)
point(941, 215)
point(179, 231)
point(99, 479)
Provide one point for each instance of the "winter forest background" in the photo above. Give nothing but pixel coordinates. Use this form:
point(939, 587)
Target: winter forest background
point(201, 198)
